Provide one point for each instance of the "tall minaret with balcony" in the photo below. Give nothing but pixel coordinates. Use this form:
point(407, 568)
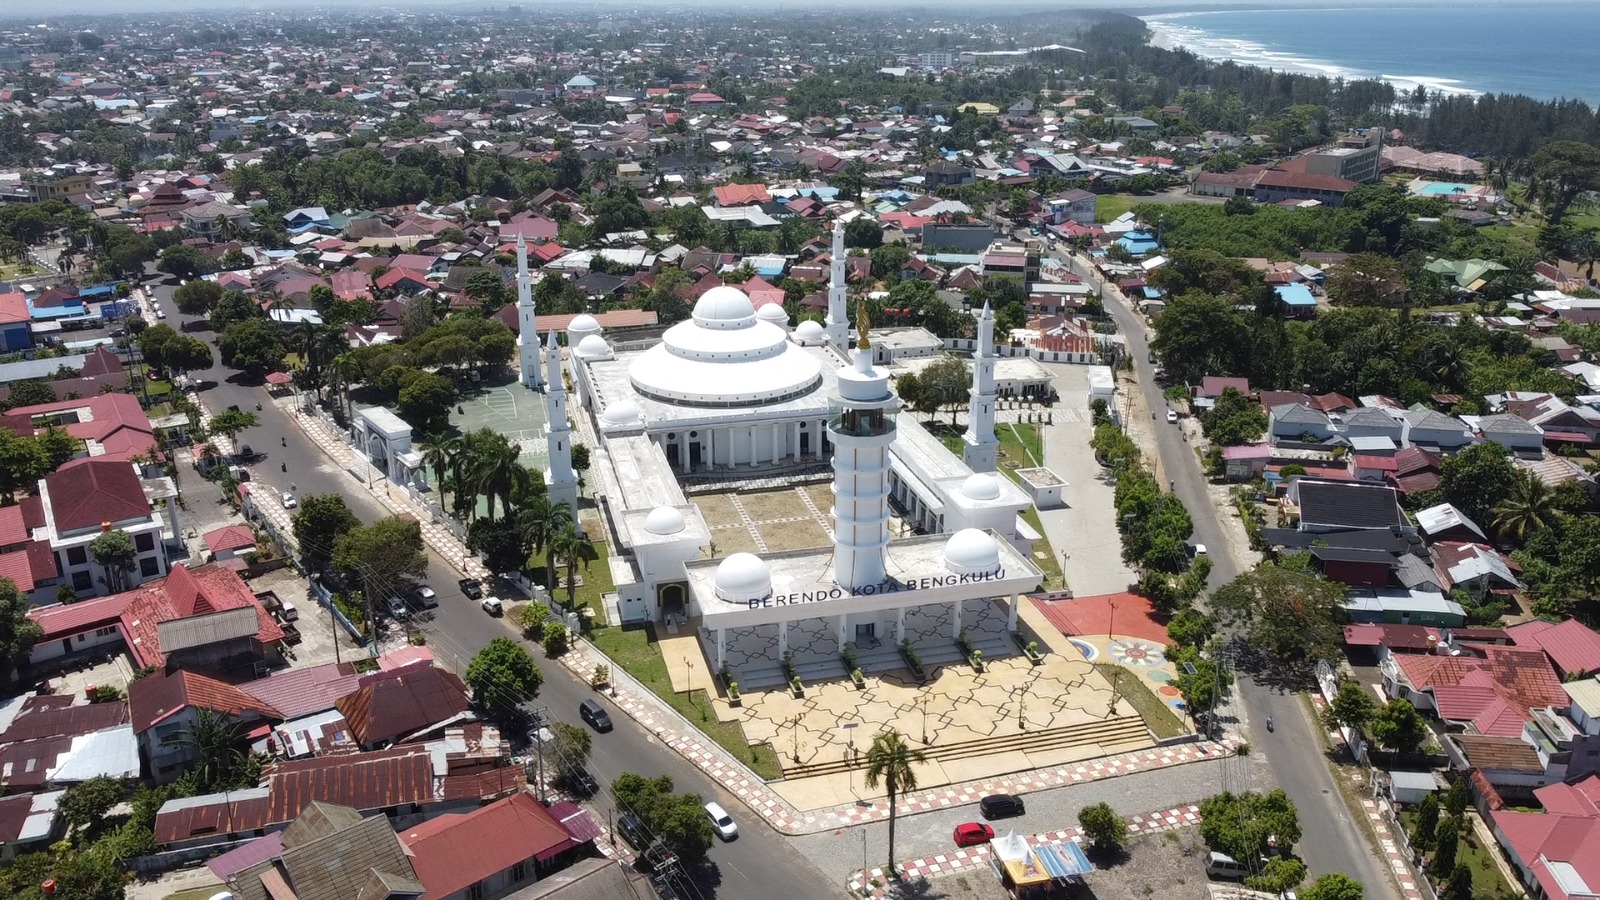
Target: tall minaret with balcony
point(980, 450)
point(838, 321)
point(528, 321)
point(561, 482)
point(861, 425)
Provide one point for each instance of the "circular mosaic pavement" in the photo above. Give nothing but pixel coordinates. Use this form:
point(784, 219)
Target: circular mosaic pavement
point(1085, 648)
point(1136, 653)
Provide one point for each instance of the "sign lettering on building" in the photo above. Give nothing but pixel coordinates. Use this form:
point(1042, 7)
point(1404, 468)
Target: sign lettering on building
point(821, 594)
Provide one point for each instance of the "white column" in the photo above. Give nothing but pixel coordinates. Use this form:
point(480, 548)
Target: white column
point(1011, 617)
point(783, 637)
point(842, 619)
point(899, 624)
point(722, 655)
point(955, 619)
point(711, 450)
point(777, 442)
point(794, 440)
point(683, 454)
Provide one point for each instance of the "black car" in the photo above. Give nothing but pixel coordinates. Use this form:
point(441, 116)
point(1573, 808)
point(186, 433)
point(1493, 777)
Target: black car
point(999, 806)
point(633, 831)
point(595, 714)
point(472, 587)
point(580, 782)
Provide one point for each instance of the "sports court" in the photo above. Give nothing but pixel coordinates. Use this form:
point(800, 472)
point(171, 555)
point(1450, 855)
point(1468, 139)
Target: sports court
point(509, 409)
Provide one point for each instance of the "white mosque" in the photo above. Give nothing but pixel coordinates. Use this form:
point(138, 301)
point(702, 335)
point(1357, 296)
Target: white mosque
point(734, 393)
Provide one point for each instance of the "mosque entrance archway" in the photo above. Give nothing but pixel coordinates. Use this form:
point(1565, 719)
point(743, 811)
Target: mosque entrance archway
point(671, 600)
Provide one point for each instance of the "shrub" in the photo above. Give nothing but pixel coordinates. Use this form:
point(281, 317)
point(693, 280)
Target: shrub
point(531, 619)
point(555, 639)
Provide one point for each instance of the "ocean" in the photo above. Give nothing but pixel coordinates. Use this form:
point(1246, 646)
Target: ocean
point(1541, 50)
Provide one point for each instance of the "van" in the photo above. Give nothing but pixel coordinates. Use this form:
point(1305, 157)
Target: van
point(288, 612)
point(1221, 865)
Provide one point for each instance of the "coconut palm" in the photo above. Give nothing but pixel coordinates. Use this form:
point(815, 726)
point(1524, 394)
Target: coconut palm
point(1529, 508)
point(440, 452)
point(889, 762)
point(570, 548)
point(497, 471)
point(215, 741)
point(541, 521)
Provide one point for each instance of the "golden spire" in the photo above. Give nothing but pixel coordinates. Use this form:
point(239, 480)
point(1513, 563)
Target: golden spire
point(863, 325)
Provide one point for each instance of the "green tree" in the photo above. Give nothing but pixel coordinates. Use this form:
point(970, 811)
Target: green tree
point(58, 445)
point(1457, 799)
point(230, 422)
point(1203, 691)
point(216, 744)
point(892, 762)
point(541, 520)
point(863, 233)
point(945, 384)
point(1190, 628)
point(1103, 827)
point(1564, 170)
point(1241, 824)
point(1235, 419)
point(1333, 886)
point(888, 260)
point(23, 461)
point(503, 676)
point(1446, 841)
point(1398, 727)
point(86, 803)
point(1281, 873)
point(29, 392)
point(114, 552)
point(233, 306)
point(425, 403)
point(1459, 884)
point(678, 820)
point(197, 298)
point(555, 639)
point(1530, 507)
point(501, 542)
point(318, 523)
point(186, 262)
point(1478, 479)
point(1287, 615)
point(382, 555)
point(570, 548)
point(253, 346)
point(1367, 279)
point(572, 744)
point(1426, 824)
point(1202, 335)
point(1352, 706)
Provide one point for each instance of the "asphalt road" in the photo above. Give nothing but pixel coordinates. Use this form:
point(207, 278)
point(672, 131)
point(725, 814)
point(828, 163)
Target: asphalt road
point(747, 868)
point(1332, 840)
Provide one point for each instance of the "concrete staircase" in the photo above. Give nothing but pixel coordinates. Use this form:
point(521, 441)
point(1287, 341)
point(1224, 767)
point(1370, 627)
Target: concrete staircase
point(1110, 735)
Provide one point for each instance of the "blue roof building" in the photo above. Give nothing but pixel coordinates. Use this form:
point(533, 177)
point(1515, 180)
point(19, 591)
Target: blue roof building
point(1139, 243)
point(1297, 297)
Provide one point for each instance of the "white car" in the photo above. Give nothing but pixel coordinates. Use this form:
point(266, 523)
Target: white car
point(161, 313)
point(1172, 416)
point(1199, 549)
point(289, 502)
point(721, 821)
point(493, 606)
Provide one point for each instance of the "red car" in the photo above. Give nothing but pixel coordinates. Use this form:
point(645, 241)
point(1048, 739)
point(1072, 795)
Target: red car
point(971, 834)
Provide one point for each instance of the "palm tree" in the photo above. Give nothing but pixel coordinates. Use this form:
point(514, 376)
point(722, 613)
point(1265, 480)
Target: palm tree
point(568, 546)
point(890, 761)
point(1529, 509)
point(215, 740)
point(438, 456)
point(499, 472)
point(541, 521)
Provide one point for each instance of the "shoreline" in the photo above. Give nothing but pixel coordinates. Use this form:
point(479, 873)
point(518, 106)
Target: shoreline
point(1165, 35)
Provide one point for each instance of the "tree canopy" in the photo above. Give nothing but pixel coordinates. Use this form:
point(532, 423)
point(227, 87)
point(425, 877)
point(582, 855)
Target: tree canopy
point(503, 676)
point(1289, 616)
point(1241, 824)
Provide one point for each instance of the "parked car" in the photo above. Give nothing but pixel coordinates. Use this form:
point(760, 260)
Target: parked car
point(424, 597)
point(1172, 416)
point(998, 806)
point(721, 821)
point(633, 831)
point(472, 587)
point(580, 782)
point(247, 452)
point(972, 834)
point(289, 502)
point(398, 609)
point(593, 713)
point(493, 606)
point(1199, 549)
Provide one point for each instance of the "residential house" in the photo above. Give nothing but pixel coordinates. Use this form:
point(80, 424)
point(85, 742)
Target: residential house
point(1512, 432)
point(488, 853)
point(1371, 421)
point(1415, 470)
point(56, 740)
point(945, 173)
point(16, 332)
point(329, 852)
point(1330, 506)
point(1075, 205)
point(1295, 422)
point(1492, 688)
point(1556, 852)
point(229, 542)
point(87, 497)
point(165, 706)
point(1436, 432)
point(1478, 569)
point(206, 219)
point(1446, 523)
point(394, 707)
point(1573, 647)
point(29, 822)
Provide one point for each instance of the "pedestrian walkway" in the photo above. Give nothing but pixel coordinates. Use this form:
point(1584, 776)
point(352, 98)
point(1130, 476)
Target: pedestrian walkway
point(1394, 854)
point(873, 883)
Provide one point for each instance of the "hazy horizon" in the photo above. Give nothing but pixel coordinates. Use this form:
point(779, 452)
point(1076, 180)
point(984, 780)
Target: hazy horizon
point(45, 10)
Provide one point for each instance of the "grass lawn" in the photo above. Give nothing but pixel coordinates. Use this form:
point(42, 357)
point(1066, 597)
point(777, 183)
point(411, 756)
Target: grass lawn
point(1023, 444)
point(158, 388)
point(1109, 206)
point(633, 647)
point(1487, 882)
point(1157, 715)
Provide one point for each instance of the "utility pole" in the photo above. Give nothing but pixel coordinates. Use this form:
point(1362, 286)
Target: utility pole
point(540, 715)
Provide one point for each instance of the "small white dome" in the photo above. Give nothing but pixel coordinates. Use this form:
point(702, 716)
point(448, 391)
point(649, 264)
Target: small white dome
point(665, 520)
point(981, 486)
point(743, 576)
point(583, 323)
point(809, 330)
point(724, 307)
point(970, 552)
point(593, 346)
point(620, 413)
point(773, 312)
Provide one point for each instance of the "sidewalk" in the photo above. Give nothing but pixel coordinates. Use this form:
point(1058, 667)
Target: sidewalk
point(871, 884)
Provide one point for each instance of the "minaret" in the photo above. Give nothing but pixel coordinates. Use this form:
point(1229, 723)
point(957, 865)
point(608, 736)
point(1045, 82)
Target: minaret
point(561, 482)
point(981, 450)
point(528, 320)
point(838, 321)
point(861, 425)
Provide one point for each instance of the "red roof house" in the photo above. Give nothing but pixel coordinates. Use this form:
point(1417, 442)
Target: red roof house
point(1572, 646)
point(1556, 851)
point(455, 851)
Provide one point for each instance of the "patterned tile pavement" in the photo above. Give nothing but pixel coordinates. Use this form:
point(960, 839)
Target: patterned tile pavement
point(920, 870)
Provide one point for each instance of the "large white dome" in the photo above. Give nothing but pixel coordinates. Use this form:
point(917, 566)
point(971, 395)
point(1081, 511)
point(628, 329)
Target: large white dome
point(725, 356)
point(742, 577)
point(622, 412)
point(981, 486)
point(593, 346)
point(970, 552)
point(724, 307)
point(664, 520)
point(583, 323)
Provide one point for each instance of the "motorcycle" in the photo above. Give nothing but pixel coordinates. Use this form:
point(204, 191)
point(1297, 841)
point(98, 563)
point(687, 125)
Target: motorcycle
point(1269, 723)
point(258, 407)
